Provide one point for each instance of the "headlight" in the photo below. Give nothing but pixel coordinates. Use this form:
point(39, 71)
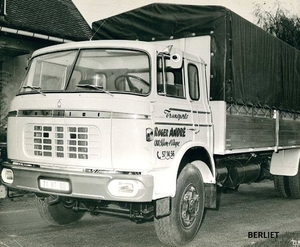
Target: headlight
point(119, 187)
point(7, 175)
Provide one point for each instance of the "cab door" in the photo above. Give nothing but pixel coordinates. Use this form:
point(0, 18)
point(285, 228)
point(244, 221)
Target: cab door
point(173, 120)
point(198, 97)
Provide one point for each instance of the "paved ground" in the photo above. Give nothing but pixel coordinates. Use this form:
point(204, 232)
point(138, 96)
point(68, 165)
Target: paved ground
point(254, 207)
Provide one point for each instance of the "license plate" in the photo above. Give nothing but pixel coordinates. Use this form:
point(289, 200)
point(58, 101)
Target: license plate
point(54, 185)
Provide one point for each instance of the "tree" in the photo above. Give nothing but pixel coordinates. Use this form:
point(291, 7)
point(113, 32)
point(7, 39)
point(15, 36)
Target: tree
point(3, 106)
point(284, 27)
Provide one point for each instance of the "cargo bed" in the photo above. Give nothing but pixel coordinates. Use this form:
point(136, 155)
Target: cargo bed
point(239, 129)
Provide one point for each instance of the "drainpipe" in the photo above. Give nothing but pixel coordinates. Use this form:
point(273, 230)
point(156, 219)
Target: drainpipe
point(33, 35)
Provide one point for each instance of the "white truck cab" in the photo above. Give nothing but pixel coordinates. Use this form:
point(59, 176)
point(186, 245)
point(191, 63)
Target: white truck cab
point(113, 122)
point(148, 130)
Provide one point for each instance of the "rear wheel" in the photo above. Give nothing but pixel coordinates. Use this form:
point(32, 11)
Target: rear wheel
point(57, 211)
point(182, 225)
point(280, 183)
point(287, 186)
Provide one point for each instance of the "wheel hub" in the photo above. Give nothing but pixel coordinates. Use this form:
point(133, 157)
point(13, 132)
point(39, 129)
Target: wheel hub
point(189, 206)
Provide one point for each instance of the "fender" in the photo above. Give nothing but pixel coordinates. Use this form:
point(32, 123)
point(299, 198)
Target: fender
point(285, 162)
point(210, 188)
point(207, 173)
point(167, 188)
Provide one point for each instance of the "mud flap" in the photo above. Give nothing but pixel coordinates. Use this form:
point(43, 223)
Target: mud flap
point(163, 207)
point(3, 191)
point(285, 162)
point(210, 195)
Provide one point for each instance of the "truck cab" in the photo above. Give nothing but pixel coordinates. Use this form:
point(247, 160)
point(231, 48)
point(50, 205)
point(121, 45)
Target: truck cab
point(146, 129)
point(110, 122)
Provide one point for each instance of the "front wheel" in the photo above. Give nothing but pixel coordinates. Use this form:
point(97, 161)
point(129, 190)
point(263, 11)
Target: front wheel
point(57, 211)
point(182, 225)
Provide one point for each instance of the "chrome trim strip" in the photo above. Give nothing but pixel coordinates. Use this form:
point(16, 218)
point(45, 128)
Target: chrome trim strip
point(202, 112)
point(182, 110)
point(184, 124)
point(80, 114)
point(170, 123)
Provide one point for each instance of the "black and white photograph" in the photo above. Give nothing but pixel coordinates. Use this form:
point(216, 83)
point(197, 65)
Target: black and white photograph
point(149, 123)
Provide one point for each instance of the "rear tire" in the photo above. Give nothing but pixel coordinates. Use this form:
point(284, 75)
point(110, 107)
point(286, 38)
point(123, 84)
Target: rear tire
point(294, 186)
point(280, 184)
point(187, 208)
point(287, 186)
point(54, 211)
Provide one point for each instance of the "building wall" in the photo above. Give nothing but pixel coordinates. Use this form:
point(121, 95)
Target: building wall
point(15, 52)
point(11, 74)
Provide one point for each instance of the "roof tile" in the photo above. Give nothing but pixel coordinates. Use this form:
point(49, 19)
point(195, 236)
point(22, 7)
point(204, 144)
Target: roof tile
point(58, 18)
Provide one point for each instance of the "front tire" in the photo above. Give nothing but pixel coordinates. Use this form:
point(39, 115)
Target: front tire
point(54, 211)
point(182, 225)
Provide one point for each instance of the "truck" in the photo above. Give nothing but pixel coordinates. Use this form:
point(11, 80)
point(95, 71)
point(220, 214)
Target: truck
point(164, 106)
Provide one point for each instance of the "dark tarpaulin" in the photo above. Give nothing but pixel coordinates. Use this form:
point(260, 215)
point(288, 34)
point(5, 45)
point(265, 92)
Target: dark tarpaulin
point(160, 22)
point(248, 66)
point(266, 70)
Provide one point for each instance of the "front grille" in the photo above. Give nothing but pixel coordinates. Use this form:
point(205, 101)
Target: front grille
point(73, 142)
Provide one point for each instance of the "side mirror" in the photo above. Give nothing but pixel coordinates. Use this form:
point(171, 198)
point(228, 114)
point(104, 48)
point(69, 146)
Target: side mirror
point(176, 56)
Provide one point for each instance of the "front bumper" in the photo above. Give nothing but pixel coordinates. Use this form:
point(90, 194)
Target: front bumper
point(82, 185)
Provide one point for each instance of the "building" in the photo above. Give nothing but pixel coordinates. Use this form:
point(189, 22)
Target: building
point(26, 25)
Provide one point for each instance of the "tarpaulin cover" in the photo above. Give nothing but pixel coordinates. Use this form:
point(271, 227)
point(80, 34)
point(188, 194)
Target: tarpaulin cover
point(249, 66)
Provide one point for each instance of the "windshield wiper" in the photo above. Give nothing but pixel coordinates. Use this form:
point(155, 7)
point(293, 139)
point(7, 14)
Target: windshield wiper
point(100, 88)
point(36, 89)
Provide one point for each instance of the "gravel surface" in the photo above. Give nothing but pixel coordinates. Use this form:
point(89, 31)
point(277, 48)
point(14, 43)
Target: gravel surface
point(253, 208)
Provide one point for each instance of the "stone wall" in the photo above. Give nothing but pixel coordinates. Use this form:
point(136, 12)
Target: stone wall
point(12, 71)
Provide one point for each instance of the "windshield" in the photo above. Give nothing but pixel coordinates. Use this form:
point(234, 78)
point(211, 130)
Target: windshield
point(49, 72)
point(100, 70)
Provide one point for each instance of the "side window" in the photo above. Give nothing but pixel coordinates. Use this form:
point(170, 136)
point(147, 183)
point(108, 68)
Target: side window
point(174, 81)
point(193, 81)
